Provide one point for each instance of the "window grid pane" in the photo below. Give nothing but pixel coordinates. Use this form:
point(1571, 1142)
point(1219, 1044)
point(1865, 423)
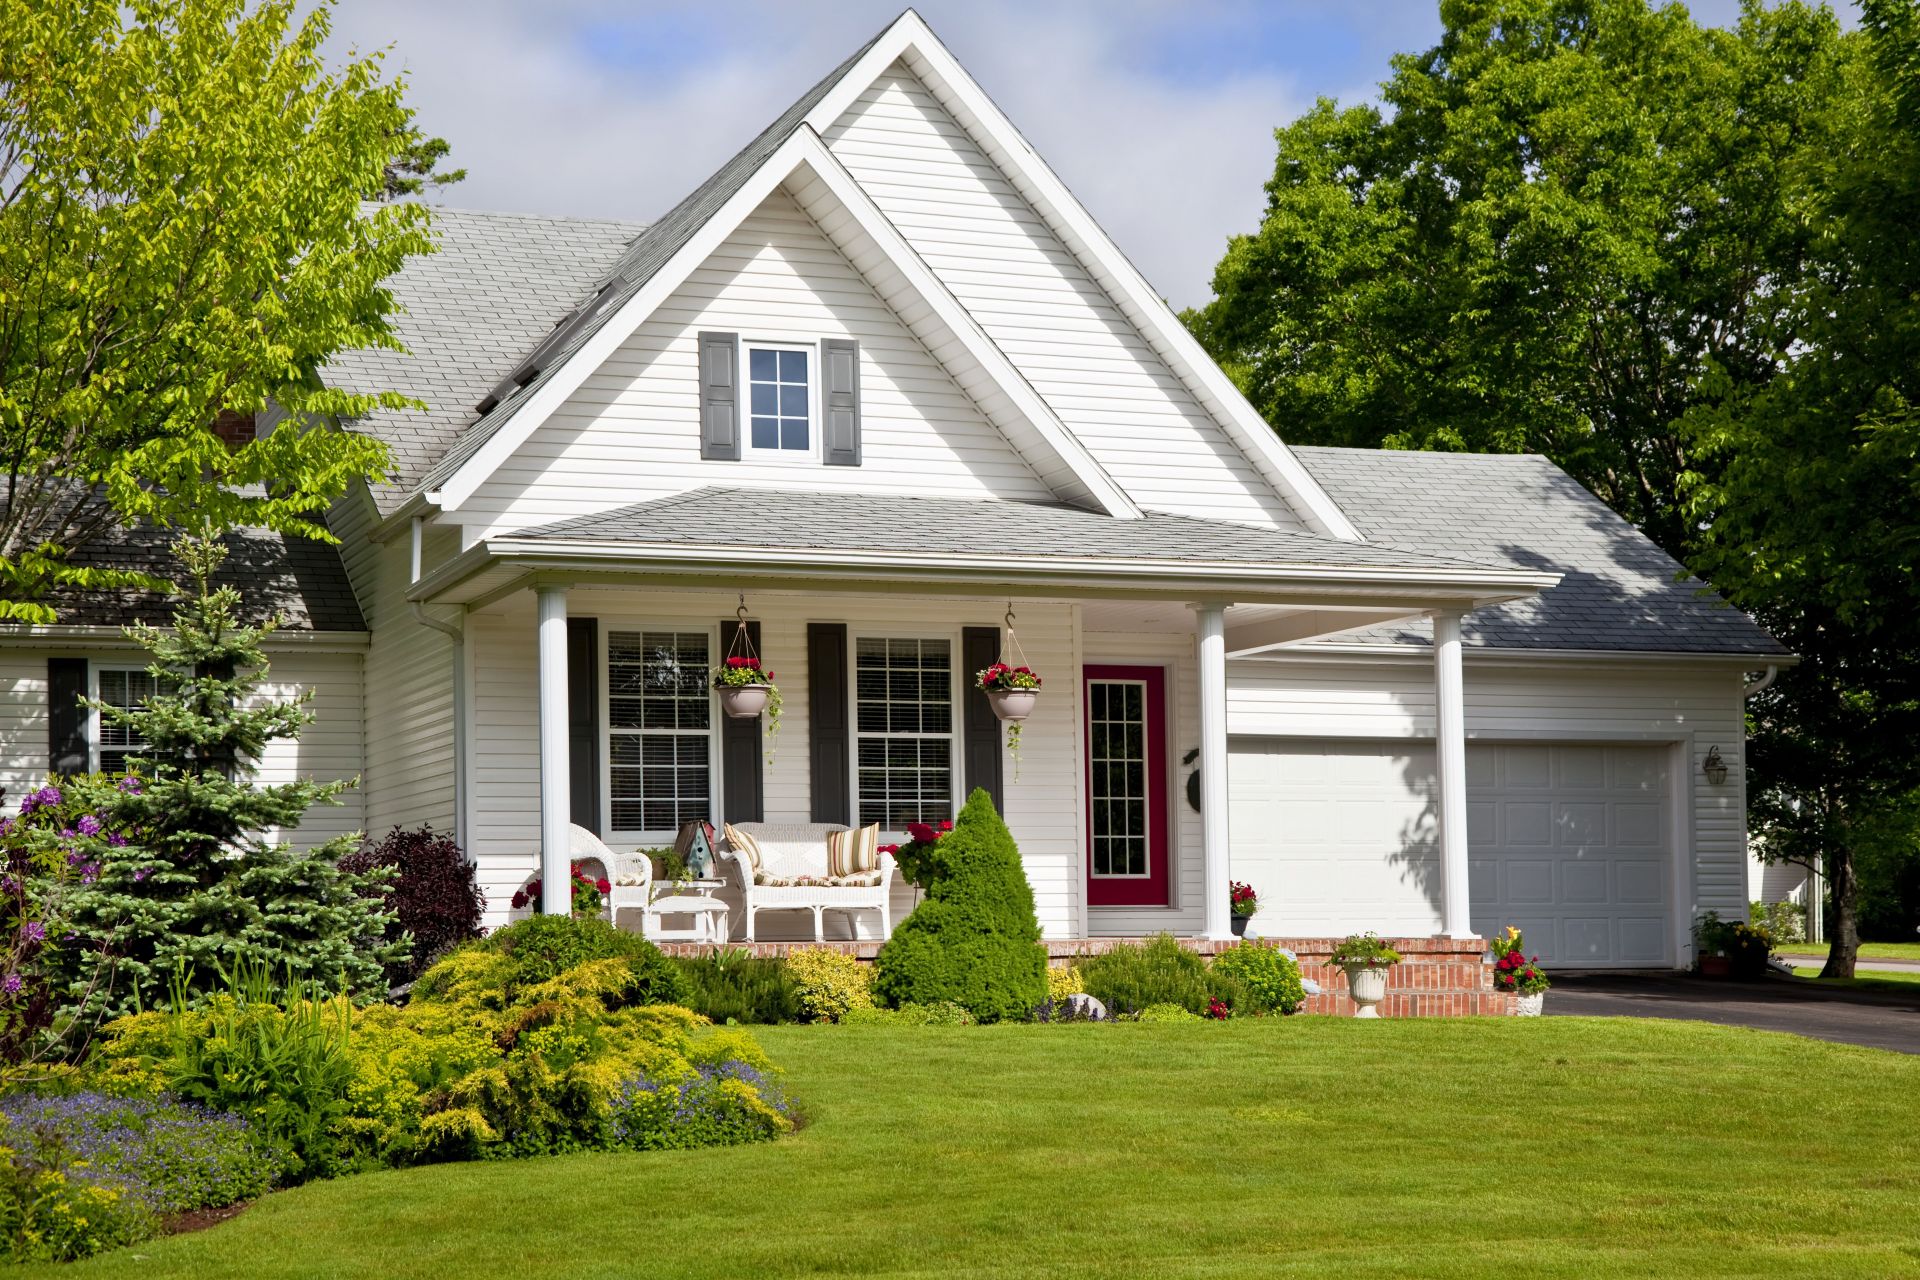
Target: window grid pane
point(903, 716)
point(124, 689)
point(659, 717)
point(777, 400)
point(1117, 734)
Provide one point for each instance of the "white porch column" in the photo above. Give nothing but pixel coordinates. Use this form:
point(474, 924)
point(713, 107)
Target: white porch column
point(556, 885)
point(1450, 757)
point(1213, 767)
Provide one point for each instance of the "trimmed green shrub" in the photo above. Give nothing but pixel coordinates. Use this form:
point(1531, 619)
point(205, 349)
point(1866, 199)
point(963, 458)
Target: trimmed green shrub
point(1271, 976)
point(1165, 1013)
point(1130, 977)
point(944, 1014)
point(829, 984)
point(730, 985)
point(538, 949)
point(974, 940)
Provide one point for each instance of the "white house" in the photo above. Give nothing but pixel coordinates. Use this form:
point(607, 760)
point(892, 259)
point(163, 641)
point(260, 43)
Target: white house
point(883, 382)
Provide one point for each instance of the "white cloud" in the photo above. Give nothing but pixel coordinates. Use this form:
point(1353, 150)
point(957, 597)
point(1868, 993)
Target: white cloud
point(589, 107)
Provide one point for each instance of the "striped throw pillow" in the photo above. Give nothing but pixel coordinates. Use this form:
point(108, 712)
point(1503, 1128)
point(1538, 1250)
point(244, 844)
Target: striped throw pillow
point(744, 843)
point(849, 853)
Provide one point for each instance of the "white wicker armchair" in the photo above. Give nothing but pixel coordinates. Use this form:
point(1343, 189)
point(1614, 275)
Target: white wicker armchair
point(631, 874)
point(793, 877)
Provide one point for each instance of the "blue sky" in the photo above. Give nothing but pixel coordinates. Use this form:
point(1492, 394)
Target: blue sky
point(1160, 115)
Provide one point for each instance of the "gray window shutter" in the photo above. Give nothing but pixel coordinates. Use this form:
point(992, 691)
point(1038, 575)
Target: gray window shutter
point(980, 728)
point(827, 736)
point(583, 722)
point(741, 785)
point(720, 396)
point(68, 750)
point(840, 401)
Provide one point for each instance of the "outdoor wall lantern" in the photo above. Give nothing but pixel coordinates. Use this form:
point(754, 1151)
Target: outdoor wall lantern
point(1714, 767)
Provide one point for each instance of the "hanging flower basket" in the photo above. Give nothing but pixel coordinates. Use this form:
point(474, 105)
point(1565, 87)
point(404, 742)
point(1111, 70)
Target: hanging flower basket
point(1013, 692)
point(746, 691)
point(1013, 704)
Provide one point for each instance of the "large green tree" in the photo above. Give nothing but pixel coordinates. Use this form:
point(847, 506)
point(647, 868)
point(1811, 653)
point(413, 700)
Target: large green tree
point(182, 232)
point(1558, 218)
point(1808, 498)
point(1680, 261)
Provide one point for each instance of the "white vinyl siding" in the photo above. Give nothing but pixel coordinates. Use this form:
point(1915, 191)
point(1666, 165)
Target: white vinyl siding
point(408, 680)
point(631, 432)
point(1041, 306)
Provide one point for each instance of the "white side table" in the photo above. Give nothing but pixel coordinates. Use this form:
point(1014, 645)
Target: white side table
point(692, 899)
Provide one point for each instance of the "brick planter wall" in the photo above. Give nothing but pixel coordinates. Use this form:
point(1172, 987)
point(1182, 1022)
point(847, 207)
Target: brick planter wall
point(1436, 977)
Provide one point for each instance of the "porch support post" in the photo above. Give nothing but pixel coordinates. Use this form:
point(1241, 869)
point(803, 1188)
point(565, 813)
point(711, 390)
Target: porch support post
point(556, 884)
point(1213, 767)
point(1450, 757)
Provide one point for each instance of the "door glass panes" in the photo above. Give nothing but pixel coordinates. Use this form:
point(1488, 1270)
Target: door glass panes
point(1117, 758)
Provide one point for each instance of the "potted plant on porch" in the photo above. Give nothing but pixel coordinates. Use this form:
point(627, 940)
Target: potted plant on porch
point(589, 893)
point(1366, 959)
point(1013, 693)
point(1244, 902)
point(1515, 972)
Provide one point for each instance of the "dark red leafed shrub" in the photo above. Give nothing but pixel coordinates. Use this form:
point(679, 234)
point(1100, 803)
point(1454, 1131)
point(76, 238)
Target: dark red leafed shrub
point(434, 896)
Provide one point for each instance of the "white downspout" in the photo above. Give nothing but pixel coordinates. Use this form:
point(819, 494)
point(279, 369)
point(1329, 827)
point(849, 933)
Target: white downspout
point(1755, 686)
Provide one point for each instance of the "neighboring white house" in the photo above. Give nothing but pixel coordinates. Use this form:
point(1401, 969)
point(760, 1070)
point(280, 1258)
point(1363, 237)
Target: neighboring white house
point(884, 381)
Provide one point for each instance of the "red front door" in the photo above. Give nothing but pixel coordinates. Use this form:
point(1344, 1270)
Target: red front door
point(1127, 810)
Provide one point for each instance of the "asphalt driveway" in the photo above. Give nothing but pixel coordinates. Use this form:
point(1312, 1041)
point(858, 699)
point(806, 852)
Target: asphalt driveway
point(1876, 1019)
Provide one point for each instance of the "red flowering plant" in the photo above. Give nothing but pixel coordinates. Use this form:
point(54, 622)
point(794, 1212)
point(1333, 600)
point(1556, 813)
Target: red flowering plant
point(1513, 969)
point(915, 857)
point(588, 893)
point(1244, 900)
point(1002, 676)
point(1217, 1008)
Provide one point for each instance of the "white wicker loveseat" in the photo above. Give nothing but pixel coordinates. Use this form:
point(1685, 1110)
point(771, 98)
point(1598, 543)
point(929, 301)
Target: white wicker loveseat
point(792, 876)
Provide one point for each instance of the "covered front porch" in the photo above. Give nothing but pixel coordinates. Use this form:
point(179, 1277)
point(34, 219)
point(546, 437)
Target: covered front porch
point(585, 700)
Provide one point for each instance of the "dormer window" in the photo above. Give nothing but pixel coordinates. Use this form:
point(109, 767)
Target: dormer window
point(780, 400)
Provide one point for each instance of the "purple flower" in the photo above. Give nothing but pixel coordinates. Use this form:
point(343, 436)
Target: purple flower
point(11, 984)
point(117, 840)
point(45, 798)
point(89, 825)
point(89, 873)
point(33, 931)
point(130, 785)
point(141, 873)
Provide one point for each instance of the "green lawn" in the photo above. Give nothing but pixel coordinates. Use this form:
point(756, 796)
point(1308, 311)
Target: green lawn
point(1868, 950)
point(1884, 980)
point(1303, 1147)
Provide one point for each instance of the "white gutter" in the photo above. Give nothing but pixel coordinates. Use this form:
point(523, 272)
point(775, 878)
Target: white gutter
point(1755, 686)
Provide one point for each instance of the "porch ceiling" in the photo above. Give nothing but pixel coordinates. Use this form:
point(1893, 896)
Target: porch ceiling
point(901, 543)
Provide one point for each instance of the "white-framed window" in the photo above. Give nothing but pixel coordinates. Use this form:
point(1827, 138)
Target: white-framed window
point(126, 688)
point(782, 423)
point(904, 748)
point(659, 717)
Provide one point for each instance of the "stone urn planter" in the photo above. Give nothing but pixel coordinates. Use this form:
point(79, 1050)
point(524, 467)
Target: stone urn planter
point(745, 701)
point(1367, 984)
point(1529, 1006)
point(1013, 704)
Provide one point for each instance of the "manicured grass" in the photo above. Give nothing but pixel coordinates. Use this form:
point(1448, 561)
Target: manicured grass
point(1884, 980)
point(1868, 950)
point(1298, 1147)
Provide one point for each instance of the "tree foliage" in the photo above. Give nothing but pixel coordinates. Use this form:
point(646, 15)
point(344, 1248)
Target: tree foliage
point(182, 232)
point(1807, 503)
point(180, 881)
point(1563, 214)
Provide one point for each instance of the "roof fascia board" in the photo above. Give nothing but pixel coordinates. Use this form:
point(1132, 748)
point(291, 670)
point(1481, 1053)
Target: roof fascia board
point(1067, 216)
point(95, 635)
point(960, 322)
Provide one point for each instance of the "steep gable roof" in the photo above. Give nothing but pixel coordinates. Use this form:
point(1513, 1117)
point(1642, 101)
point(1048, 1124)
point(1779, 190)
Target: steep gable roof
point(1618, 589)
point(469, 312)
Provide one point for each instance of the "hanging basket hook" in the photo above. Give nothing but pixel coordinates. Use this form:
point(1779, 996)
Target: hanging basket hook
point(741, 612)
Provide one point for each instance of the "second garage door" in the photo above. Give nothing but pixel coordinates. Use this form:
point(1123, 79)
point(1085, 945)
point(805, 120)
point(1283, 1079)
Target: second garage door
point(1570, 842)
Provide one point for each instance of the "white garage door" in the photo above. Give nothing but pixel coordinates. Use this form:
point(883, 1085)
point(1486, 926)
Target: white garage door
point(1571, 843)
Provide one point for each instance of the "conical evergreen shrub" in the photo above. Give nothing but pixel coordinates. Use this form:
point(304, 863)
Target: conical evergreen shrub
point(974, 940)
point(174, 871)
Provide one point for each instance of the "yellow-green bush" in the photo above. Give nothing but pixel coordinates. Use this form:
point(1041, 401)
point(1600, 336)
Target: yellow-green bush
point(1063, 981)
point(46, 1215)
point(829, 983)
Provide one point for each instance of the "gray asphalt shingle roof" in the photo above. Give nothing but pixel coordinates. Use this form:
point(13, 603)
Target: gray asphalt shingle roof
point(1620, 590)
point(499, 284)
point(296, 579)
point(782, 518)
